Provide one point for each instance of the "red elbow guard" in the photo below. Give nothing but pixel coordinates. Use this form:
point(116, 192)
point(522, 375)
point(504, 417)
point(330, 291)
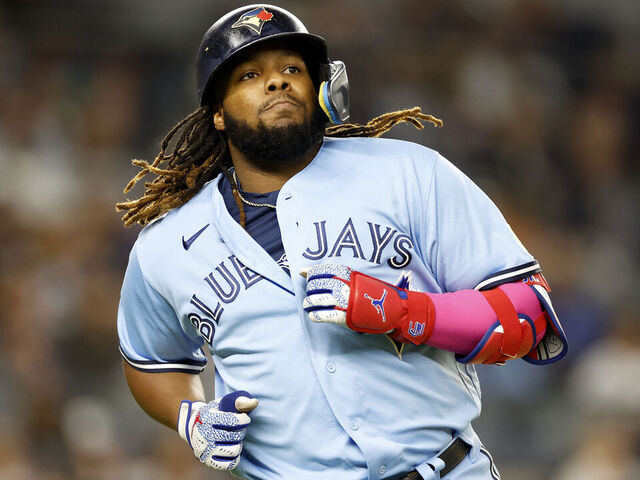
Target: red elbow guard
point(513, 338)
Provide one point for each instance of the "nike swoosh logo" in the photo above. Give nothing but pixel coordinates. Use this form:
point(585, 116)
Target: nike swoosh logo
point(187, 243)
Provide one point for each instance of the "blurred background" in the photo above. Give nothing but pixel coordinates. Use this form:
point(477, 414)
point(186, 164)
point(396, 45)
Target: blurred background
point(541, 104)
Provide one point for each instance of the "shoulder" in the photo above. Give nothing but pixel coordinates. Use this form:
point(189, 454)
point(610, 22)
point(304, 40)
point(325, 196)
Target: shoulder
point(383, 147)
point(392, 159)
point(189, 214)
point(161, 240)
point(382, 152)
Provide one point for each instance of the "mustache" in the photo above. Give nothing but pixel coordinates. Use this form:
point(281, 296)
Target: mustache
point(269, 103)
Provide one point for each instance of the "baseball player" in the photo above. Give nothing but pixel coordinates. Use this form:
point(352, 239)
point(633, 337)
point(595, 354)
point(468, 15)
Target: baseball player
point(344, 285)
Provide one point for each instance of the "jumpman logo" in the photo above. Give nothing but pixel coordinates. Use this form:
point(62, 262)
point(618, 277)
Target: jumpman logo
point(378, 304)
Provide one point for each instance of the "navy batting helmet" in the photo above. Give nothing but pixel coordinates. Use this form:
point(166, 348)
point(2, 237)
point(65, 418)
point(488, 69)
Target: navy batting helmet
point(253, 24)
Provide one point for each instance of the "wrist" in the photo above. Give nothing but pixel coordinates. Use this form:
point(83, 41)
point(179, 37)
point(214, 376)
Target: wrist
point(187, 414)
point(379, 307)
point(417, 325)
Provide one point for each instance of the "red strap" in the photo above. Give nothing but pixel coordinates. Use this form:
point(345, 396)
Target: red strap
point(508, 318)
point(420, 312)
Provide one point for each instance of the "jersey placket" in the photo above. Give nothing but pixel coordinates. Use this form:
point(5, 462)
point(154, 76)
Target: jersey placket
point(332, 371)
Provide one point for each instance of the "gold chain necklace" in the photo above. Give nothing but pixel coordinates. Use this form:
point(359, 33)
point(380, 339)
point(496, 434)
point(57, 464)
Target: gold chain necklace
point(244, 200)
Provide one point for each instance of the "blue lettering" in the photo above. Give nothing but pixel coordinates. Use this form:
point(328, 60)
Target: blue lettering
point(200, 305)
point(248, 276)
point(348, 238)
point(205, 327)
point(234, 285)
point(379, 242)
point(401, 245)
point(321, 234)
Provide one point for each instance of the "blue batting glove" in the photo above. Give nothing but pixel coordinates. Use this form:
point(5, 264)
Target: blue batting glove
point(215, 430)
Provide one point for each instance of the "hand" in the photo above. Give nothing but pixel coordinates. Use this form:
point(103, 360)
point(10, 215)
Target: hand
point(328, 292)
point(215, 430)
point(336, 294)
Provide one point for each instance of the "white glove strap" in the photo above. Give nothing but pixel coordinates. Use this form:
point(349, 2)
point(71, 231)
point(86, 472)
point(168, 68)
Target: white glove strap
point(187, 417)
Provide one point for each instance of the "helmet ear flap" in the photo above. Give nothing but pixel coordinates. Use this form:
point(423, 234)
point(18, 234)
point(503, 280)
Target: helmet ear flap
point(333, 94)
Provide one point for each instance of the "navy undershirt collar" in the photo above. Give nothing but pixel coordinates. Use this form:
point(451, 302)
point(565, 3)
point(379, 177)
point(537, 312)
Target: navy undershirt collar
point(261, 222)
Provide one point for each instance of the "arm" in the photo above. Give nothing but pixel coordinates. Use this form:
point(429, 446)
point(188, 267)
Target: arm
point(160, 394)
point(161, 363)
point(491, 326)
point(213, 430)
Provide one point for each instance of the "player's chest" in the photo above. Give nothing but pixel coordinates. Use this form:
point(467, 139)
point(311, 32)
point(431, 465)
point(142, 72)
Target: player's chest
point(364, 237)
point(224, 295)
point(229, 288)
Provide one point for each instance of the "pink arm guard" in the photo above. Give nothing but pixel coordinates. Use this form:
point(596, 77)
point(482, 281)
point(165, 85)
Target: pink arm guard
point(490, 326)
point(463, 318)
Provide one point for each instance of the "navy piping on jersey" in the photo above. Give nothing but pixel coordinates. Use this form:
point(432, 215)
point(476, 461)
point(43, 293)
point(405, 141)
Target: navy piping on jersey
point(509, 275)
point(183, 366)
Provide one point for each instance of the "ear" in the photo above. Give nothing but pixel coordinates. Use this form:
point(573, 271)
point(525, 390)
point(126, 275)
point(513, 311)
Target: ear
point(218, 120)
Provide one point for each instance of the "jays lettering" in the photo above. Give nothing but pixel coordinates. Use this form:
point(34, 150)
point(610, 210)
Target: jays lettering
point(347, 242)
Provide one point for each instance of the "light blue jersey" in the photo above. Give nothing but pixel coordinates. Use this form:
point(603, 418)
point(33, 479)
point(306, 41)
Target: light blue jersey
point(333, 403)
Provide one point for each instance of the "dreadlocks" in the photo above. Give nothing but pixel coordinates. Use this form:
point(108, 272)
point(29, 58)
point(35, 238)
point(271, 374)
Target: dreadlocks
point(201, 153)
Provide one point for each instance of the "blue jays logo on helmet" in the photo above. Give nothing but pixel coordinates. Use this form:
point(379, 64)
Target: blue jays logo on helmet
point(254, 19)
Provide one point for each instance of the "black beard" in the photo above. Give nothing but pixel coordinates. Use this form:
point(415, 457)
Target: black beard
point(276, 147)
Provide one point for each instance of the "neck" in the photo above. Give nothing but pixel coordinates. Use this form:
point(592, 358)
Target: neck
point(258, 180)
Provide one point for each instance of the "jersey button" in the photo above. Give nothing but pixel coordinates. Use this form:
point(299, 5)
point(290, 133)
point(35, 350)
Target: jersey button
point(353, 425)
point(331, 367)
point(382, 470)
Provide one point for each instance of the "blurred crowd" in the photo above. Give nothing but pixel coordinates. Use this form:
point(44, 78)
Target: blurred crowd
point(541, 104)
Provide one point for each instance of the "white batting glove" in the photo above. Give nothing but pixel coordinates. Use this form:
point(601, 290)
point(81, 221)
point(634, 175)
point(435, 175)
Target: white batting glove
point(328, 293)
point(215, 430)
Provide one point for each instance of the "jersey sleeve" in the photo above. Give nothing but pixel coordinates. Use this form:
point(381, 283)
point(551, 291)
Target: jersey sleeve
point(152, 339)
point(472, 244)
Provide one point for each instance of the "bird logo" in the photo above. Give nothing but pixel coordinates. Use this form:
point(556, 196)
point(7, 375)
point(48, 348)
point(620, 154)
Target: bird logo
point(254, 19)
